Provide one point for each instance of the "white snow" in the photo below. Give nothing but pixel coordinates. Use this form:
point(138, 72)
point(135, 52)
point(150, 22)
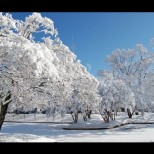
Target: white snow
point(49, 132)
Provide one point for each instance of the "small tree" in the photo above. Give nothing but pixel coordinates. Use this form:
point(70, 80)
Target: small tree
point(115, 94)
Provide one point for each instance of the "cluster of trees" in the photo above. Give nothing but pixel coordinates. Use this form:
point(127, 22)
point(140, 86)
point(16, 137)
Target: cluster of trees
point(44, 75)
point(129, 84)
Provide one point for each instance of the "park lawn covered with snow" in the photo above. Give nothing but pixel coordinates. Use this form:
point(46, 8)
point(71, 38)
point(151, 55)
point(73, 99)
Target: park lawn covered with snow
point(43, 74)
point(50, 132)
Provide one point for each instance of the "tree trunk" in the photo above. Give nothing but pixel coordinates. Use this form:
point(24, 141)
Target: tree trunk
point(105, 118)
point(3, 109)
point(89, 114)
point(3, 113)
point(76, 117)
point(110, 115)
point(129, 113)
point(114, 116)
point(72, 116)
point(85, 118)
point(130, 116)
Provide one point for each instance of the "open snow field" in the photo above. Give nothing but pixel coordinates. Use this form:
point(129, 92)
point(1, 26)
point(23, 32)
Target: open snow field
point(49, 132)
point(19, 132)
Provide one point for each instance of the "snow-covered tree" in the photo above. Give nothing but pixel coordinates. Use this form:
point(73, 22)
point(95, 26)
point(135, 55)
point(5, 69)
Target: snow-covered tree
point(146, 89)
point(80, 83)
point(115, 95)
point(133, 66)
point(41, 74)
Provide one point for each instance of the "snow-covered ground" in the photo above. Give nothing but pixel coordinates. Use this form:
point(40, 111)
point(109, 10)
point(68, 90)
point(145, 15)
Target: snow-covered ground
point(49, 132)
point(37, 118)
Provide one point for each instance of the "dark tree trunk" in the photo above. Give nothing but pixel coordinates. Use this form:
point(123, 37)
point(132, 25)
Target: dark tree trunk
point(130, 116)
point(114, 116)
point(89, 114)
point(72, 116)
point(105, 118)
point(3, 113)
point(75, 117)
point(110, 115)
point(85, 118)
point(129, 113)
point(3, 109)
point(107, 115)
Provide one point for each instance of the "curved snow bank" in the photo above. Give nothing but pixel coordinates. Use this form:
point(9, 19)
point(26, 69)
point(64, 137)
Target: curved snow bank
point(95, 127)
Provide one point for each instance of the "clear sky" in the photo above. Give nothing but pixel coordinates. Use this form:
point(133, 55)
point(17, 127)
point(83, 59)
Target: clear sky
point(92, 36)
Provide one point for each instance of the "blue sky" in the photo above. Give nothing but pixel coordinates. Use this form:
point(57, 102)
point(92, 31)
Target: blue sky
point(94, 35)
